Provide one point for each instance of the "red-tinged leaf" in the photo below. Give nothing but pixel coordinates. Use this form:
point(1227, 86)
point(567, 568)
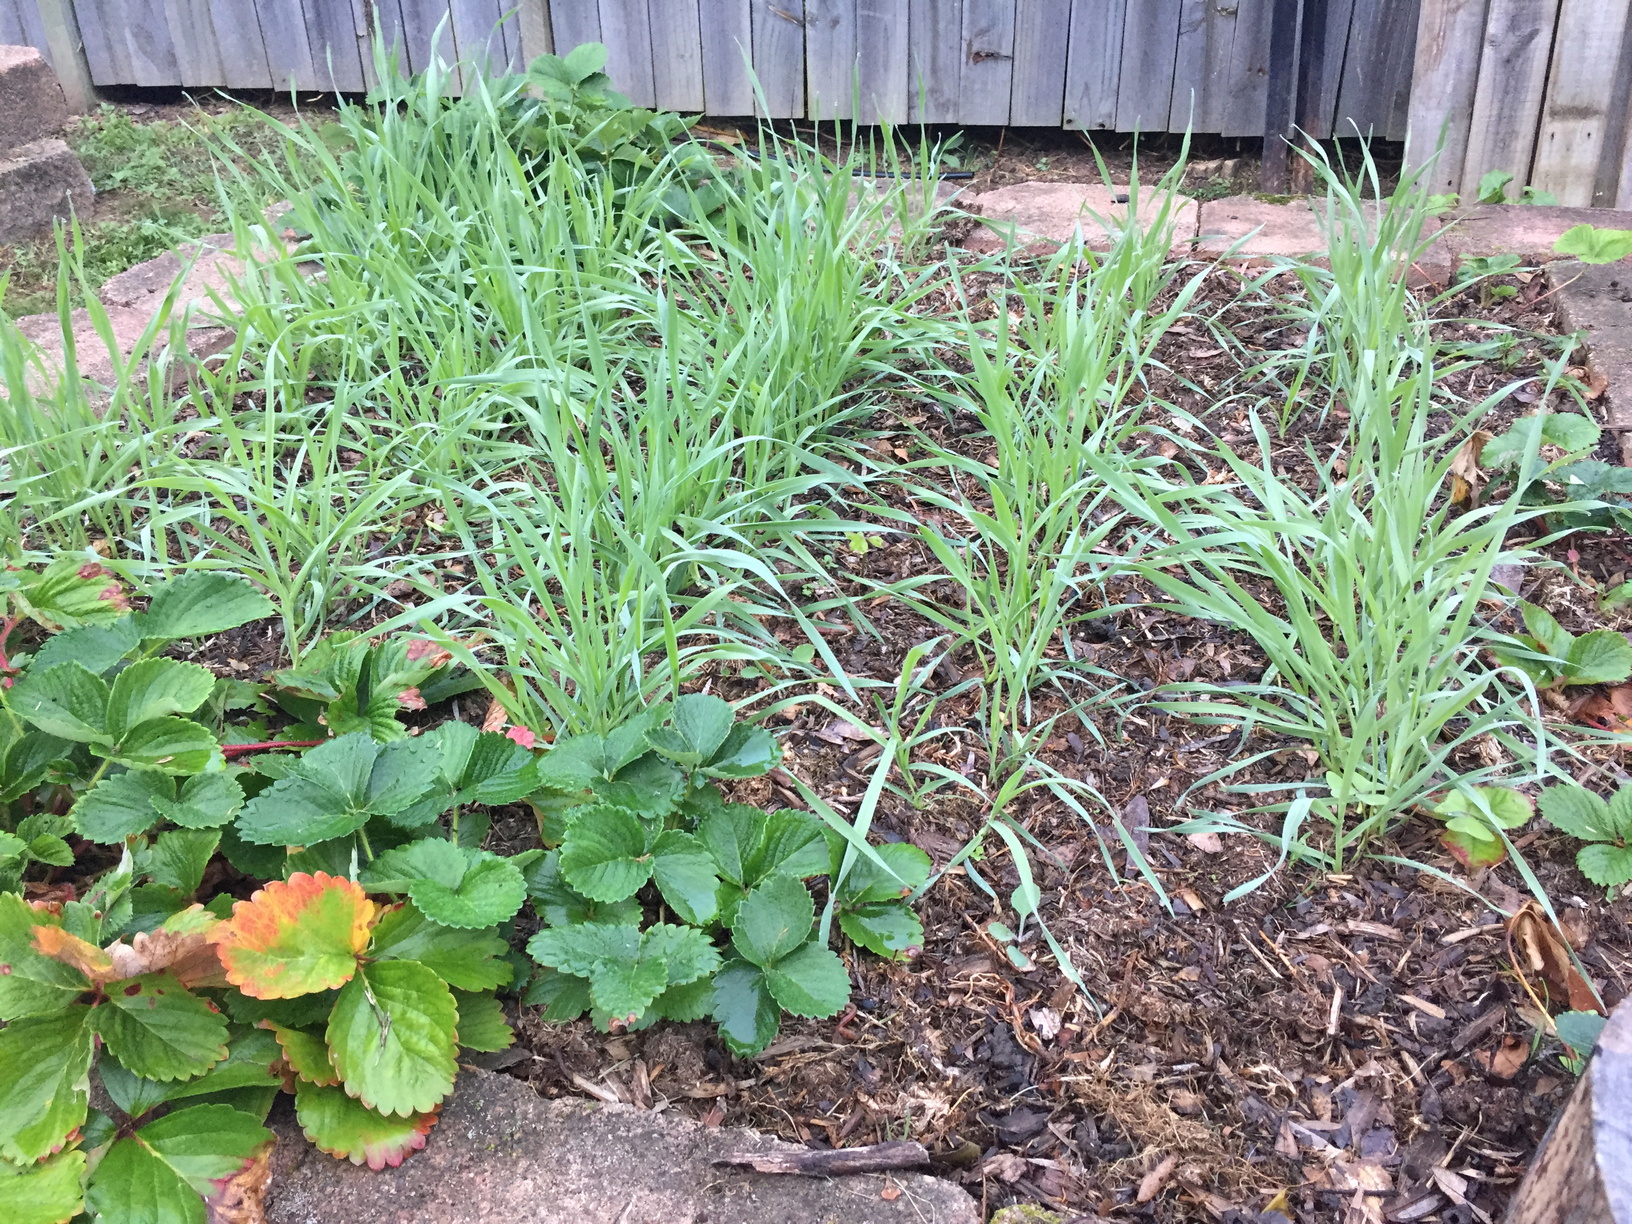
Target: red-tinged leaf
point(344, 1127)
point(1474, 853)
point(306, 1053)
point(240, 1199)
point(182, 945)
point(295, 937)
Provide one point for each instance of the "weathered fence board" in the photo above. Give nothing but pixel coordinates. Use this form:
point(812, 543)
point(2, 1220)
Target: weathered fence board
point(831, 73)
point(1450, 37)
point(677, 55)
point(1093, 64)
point(1511, 84)
point(934, 60)
point(986, 75)
point(1586, 54)
point(779, 54)
point(728, 40)
point(1038, 95)
point(1150, 43)
point(881, 61)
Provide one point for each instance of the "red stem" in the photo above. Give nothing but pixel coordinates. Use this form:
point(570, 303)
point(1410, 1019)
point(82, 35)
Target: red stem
point(232, 750)
point(6, 627)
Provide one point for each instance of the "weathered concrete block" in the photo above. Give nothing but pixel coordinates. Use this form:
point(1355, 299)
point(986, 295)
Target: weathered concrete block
point(1596, 300)
point(1250, 228)
point(1526, 230)
point(40, 182)
point(1045, 215)
point(502, 1153)
point(32, 105)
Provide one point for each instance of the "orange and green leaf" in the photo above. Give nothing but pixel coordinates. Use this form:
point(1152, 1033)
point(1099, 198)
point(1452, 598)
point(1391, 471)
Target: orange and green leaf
point(306, 1053)
point(74, 952)
point(344, 1127)
point(295, 937)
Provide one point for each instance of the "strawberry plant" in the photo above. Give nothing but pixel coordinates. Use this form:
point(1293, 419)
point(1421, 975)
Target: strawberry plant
point(1553, 657)
point(639, 825)
point(1472, 816)
point(347, 683)
point(1606, 827)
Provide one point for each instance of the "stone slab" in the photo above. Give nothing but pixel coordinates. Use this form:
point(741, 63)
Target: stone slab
point(39, 183)
point(502, 1153)
point(1596, 299)
point(1046, 215)
point(211, 266)
point(1250, 228)
point(91, 353)
point(31, 102)
point(1526, 230)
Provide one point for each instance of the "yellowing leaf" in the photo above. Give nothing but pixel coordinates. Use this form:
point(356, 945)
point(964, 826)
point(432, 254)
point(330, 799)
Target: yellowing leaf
point(295, 937)
point(347, 1128)
point(73, 951)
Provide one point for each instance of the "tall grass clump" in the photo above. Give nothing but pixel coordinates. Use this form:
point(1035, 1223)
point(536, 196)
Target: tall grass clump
point(1363, 592)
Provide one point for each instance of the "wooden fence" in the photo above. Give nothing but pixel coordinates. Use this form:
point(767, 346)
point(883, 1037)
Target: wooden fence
point(1539, 88)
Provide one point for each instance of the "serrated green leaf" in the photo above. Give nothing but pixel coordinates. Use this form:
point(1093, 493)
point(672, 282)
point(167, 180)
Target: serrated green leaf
point(891, 930)
point(1600, 657)
point(307, 1053)
point(625, 967)
point(1577, 811)
point(49, 1193)
point(773, 920)
point(794, 844)
point(733, 833)
point(482, 1025)
point(1553, 638)
point(162, 1173)
point(498, 771)
point(121, 805)
point(809, 981)
point(31, 984)
point(95, 647)
point(350, 1130)
point(133, 1094)
point(558, 905)
point(248, 1065)
point(469, 960)
point(336, 787)
point(743, 1007)
point(1605, 864)
point(684, 872)
point(174, 745)
point(201, 603)
point(395, 1051)
point(71, 591)
point(1594, 245)
point(905, 869)
point(686, 952)
point(1485, 806)
point(1580, 1030)
point(206, 801)
point(687, 1002)
point(177, 859)
point(66, 701)
point(160, 1030)
point(701, 722)
point(45, 1065)
point(155, 688)
point(605, 856)
point(1620, 814)
point(28, 761)
point(747, 752)
point(562, 996)
point(649, 785)
point(307, 1011)
point(455, 887)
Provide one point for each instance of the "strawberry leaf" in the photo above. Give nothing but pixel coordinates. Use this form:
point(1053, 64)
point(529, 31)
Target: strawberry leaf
point(562, 996)
point(173, 745)
point(67, 701)
point(295, 937)
point(605, 855)
point(160, 1174)
point(773, 920)
point(890, 930)
point(626, 968)
point(160, 1030)
point(1577, 811)
point(334, 789)
point(1600, 657)
point(469, 960)
point(684, 872)
point(1604, 864)
point(455, 887)
point(49, 1193)
point(200, 603)
point(810, 981)
point(45, 1063)
point(743, 1007)
point(346, 1128)
point(155, 688)
point(307, 1054)
point(391, 1037)
point(482, 1025)
point(31, 984)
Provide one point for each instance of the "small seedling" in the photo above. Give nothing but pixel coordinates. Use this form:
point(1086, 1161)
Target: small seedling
point(1592, 245)
point(1553, 657)
point(1473, 815)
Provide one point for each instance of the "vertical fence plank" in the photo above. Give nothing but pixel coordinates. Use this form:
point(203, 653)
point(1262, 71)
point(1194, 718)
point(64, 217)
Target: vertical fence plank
point(1150, 45)
point(198, 55)
point(727, 41)
point(574, 22)
point(1339, 18)
point(152, 46)
point(537, 38)
point(1093, 63)
point(238, 41)
point(779, 55)
point(31, 30)
point(986, 73)
point(1188, 103)
point(1037, 98)
point(1374, 97)
point(11, 25)
point(288, 52)
point(677, 55)
point(1246, 91)
point(1450, 36)
point(627, 33)
point(477, 35)
point(1508, 96)
point(421, 21)
point(1586, 52)
point(331, 36)
point(934, 58)
point(831, 74)
point(1612, 166)
point(883, 86)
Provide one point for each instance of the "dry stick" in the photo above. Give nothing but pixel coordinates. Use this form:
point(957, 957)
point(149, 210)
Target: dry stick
point(877, 1158)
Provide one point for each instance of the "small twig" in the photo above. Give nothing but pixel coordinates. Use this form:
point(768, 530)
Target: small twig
point(1336, 1017)
point(876, 1158)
